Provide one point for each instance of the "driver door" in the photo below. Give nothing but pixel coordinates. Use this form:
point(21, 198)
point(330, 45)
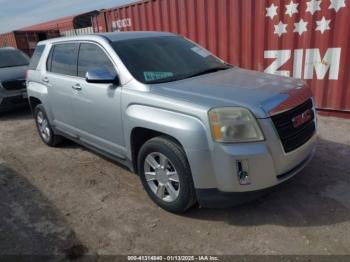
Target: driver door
point(96, 107)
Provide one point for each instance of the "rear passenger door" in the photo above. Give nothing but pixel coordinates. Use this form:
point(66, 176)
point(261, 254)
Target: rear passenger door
point(96, 107)
point(60, 78)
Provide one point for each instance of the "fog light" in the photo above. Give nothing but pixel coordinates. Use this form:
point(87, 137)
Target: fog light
point(243, 176)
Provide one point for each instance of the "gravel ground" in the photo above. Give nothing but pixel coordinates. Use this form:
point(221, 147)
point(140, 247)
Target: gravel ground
point(69, 200)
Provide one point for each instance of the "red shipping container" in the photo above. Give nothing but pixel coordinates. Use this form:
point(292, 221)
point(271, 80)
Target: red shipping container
point(26, 40)
point(8, 39)
point(307, 39)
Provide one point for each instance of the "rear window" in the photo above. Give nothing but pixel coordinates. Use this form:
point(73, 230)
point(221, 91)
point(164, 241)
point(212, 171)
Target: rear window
point(12, 58)
point(64, 59)
point(34, 61)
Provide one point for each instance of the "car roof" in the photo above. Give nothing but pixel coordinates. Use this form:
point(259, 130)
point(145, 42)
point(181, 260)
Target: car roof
point(119, 36)
point(112, 37)
point(7, 48)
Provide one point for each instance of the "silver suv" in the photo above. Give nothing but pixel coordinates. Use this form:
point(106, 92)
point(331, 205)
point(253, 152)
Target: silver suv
point(194, 128)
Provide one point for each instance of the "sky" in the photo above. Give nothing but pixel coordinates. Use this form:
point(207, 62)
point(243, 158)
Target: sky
point(15, 14)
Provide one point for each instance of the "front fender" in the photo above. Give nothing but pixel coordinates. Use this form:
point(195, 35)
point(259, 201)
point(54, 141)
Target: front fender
point(188, 130)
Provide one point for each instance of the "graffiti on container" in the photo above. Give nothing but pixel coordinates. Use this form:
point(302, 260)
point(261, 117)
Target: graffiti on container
point(307, 63)
point(121, 23)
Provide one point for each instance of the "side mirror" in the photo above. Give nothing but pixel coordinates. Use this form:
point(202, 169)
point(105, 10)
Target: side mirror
point(101, 76)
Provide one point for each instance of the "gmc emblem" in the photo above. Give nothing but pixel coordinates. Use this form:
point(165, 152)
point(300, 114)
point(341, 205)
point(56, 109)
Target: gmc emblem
point(301, 119)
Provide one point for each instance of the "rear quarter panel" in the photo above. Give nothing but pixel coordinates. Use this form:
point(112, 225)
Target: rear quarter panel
point(35, 87)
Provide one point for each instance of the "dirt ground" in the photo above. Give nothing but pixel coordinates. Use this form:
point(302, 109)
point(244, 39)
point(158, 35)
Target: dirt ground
point(68, 199)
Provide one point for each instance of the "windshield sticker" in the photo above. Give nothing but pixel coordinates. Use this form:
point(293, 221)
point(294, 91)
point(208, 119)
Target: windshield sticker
point(152, 76)
point(200, 51)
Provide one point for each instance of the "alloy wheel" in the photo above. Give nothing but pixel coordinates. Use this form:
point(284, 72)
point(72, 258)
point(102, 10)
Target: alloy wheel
point(43, 126)
point(162, 177)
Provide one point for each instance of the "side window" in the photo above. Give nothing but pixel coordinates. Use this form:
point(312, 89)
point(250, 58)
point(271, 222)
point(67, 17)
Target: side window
point(49, 60)
point(34, 61)
point(92, 57)
point(64, 59)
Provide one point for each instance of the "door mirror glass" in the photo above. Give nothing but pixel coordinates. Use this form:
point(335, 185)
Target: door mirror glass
point(101, 76)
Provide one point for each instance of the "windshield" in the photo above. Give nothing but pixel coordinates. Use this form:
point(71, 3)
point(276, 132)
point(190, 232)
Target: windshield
point(11, 58)
point(165, 59)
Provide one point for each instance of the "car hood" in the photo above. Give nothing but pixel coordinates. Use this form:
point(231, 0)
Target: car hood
point(264, 94)
point(13, 73)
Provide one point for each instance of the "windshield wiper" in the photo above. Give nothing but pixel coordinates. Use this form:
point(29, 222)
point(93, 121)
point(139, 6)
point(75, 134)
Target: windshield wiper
point(165, 80)
point(181, 77)
point(210, 70)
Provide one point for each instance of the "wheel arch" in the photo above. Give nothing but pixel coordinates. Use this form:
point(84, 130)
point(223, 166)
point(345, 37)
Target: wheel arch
point(142, 123)
point(33, 102)
point(140, 135)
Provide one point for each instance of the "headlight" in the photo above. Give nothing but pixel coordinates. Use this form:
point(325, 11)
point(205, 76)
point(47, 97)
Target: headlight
point(234, 124)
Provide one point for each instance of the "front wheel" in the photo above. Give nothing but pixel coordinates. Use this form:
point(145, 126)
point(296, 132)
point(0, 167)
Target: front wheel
point(166, 175)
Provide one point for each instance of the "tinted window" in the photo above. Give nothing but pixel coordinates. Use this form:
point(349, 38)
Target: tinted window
point(64, 59)
point(34, 61)
point(49, 60)
point(164, 59)
point(92, 57)
point(12, 57)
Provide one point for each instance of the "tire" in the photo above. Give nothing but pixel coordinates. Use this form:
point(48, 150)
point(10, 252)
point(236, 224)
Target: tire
point(161, 183)
point(44, 128)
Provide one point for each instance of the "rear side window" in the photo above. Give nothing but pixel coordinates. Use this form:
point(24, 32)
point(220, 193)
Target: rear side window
point(34, 61)
point(64, 59)
point(92, 57)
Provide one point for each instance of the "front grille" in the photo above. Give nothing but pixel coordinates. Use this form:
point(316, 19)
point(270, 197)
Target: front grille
point(294, 137)
point(14, 84)
point(12, 101)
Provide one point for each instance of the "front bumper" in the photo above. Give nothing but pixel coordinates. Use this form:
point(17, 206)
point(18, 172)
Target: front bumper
point(14, 99)
point(214, 198)
point(266, 164)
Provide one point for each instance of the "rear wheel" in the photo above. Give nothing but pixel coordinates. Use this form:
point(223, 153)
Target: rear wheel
point(46, 133)
point(166, 175)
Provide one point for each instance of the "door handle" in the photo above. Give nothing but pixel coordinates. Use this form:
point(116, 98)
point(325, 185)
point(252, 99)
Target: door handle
point(45, 79)
point(77, 87)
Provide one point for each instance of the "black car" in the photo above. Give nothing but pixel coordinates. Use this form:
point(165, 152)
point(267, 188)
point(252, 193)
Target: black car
point(13, 67)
